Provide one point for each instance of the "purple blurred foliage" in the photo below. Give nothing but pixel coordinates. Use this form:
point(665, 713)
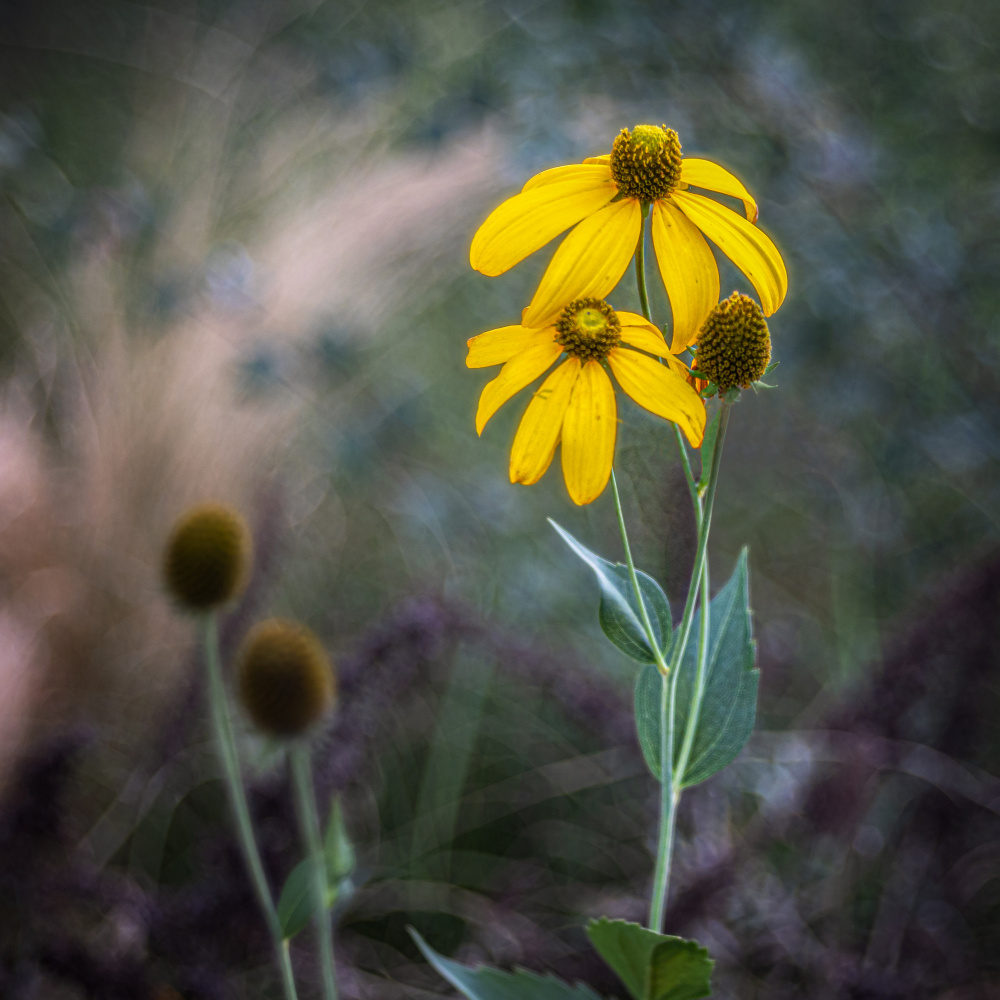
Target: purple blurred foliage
point(928, 913)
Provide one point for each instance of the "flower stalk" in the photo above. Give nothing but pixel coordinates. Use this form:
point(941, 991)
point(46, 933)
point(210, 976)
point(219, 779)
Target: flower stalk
point(222, 725)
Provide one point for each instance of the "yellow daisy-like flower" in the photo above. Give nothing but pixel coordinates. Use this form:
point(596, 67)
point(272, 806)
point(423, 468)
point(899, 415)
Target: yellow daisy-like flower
point(575, 405)
point(603, 197)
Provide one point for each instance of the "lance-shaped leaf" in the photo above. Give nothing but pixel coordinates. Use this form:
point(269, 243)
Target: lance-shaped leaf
point(729, 703)
point(486, 983)
point(619, 613)
point(653, 966)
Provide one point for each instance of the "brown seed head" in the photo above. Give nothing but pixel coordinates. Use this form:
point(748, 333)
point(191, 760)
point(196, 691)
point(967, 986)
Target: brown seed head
point(207, 557)
point(286, 681)
point(734, 345)
point(588, 329)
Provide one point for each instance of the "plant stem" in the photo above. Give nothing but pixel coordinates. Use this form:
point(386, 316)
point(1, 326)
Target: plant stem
point(671, 773)
point(305, 806)
point(647, 626)
point(238, 801)
point(640, 265)
point(689, 476)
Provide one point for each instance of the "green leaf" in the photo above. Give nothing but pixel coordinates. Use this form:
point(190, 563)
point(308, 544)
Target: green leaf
point(708, 448)
point(486, 983)
point(619, 612)
point(729, 704)
point(653, 966)
point(295, 904)
point(337, 847)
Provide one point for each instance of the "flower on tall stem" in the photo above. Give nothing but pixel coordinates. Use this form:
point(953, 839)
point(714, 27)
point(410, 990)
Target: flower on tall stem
point(605, 198)
point(575, 405)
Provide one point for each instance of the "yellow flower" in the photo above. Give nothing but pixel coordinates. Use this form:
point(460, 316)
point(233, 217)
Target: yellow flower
point(603, 197)
point(576, 405)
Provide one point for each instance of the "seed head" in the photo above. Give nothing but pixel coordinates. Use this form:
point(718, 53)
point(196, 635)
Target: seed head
point(286, 682)
point(207, 557)
point(734, 345)
point(646, 162)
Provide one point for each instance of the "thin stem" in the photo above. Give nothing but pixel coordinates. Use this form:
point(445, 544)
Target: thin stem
point(238, 801)
point(647, 625)
point(694, 710)
point(672, 774)
point(689, 475)
point(640, 265)
point(668, 808)
point(305, 806)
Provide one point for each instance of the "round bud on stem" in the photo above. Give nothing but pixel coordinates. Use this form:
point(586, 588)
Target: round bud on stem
point(734, 345)
point(207, 557)
point(286, 681)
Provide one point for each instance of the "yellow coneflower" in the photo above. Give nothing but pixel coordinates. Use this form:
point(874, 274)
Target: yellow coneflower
point(734, 344)
point(604, 198)
point(576, 404)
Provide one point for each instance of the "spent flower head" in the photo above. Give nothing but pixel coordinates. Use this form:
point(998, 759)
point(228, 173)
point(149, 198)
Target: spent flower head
point(605, 199)
point(734, 345)
point(207, 557)
point(286, 681)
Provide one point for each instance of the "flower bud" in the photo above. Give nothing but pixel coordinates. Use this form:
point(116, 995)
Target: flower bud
point(207, 557)
point(734, 345)
point(286, 681)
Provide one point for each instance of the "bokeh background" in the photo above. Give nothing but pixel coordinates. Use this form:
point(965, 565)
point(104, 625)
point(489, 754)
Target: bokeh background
point(234, 238)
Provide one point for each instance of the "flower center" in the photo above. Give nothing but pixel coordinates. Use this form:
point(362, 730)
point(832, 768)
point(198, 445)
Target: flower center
point(734, 345)
point(646, 163)
point(588, 329)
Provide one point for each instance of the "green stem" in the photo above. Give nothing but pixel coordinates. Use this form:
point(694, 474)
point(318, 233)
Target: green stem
point(689, 476)
point(238, 801)
point(305, 806)
point(647, 625)
point(671, 774)
point(698, 693)
point(640, 265)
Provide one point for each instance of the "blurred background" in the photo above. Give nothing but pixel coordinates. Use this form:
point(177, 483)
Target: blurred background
point(234, 240)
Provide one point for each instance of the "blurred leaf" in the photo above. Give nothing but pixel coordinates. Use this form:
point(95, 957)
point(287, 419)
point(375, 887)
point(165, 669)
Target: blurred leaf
point(486, 983)
point(729, 705)
point(653, 966)
point(337, 847)
point(619, 612)
point(295, 905)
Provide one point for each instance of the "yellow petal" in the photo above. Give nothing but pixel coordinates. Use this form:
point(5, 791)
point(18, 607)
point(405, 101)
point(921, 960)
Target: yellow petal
point(744, 244)
point(688, 269)
point(639, 332)
point(540, 427)
point(661, 391)
point(588, 434)
point(496, 347)
point(520, 371)
point(712, 177)
point(589, 262)
point(526, 222)
point(604, 158)
point(571, 172)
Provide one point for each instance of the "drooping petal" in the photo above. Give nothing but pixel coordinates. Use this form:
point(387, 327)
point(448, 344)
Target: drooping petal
point(520, 371)
point(540, 427)
point(744, 244)
point(526, 222)
point(588, 434)
point(589, 262)
point(639, 332)
point(712, 177)
point(688, 269)
point(660, 390)
point(570, 172)
point(497, 347)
